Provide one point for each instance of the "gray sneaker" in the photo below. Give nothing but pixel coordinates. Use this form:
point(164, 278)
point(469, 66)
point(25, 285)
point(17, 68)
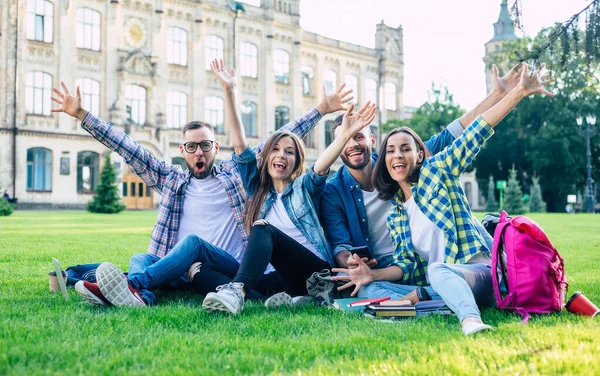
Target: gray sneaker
point(229, 298)
point(115, 288)
point(278, 300)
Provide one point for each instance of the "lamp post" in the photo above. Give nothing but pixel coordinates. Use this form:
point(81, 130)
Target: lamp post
point(591, 121)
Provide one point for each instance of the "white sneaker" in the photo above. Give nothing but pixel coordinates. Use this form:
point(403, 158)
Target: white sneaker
point(475, 327)
point(115, 288)
point(278, 300)
point(229, 298)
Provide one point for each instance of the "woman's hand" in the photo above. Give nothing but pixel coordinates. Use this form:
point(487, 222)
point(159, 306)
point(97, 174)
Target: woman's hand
point(534, 82)
point(334, 102)
point(227, 79)
point(353, 123)
point(357, 277)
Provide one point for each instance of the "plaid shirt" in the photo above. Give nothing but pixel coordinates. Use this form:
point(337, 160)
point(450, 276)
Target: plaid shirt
point(439, 196)
point(170, 181)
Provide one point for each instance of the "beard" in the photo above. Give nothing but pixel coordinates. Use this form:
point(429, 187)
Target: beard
point(357, 166)
point(203, 174)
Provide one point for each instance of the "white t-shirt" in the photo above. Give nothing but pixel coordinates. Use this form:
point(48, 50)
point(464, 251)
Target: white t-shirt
point(278, 217)
point(207, 213)
point(377, 213)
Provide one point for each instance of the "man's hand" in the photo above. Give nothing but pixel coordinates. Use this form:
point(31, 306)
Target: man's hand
point(534, 82)
point(68, 104)
point(357, 277)
point(334, 102)
point(509, 81)
point(227, 80)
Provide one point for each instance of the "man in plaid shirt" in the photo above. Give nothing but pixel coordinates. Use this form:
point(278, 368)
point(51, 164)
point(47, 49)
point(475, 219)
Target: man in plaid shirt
point(205, 200)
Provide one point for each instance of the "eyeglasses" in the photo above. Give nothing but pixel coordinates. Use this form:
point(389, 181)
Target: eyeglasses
point(191, 147)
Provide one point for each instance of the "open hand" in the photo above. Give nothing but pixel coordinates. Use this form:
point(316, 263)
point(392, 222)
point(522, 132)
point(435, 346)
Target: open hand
point(227, 79)
point(353, 123)
point(357, 277)
point(68, 104)
point(334, 102)
point(534, 82)
point(509, 81)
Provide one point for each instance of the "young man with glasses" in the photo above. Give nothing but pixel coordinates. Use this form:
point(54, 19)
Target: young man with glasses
point(200, 209)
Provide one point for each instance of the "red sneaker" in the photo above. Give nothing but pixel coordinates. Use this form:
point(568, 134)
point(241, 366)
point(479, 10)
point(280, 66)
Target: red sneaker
point(90, 292)
point(115, 287)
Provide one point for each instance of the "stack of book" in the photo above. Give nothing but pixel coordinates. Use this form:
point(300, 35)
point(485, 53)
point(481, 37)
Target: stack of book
point(385, 308)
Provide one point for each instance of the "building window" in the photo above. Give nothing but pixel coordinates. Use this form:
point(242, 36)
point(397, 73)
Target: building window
point(214, 113)
point(281, 65)
point(124, 189)
point(88, 29)
point(39, 170)
point(38, 90)
point(249, 119)
point(469, 192)
point(176, 46)
point(309, 139)
point(352, 84)
point(40, 20)
point(308, 77)
point(390, 96)
point(330, 81)
point(328, 132)
point(179, 161)
point(90, 94)
point(249, 60)
point(213, 49)
point(135, 97)
point(176, 109)
point(87, 171)
point(371, 90)
point(282, 116)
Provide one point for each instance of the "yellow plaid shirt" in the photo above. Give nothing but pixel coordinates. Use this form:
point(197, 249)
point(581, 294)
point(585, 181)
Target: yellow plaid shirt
point(439, 195)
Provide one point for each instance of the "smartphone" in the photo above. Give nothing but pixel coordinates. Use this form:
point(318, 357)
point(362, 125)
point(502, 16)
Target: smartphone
point(362, 252)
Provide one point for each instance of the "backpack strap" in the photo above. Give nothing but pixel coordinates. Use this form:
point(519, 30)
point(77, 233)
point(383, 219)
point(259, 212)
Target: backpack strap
point(497, 258)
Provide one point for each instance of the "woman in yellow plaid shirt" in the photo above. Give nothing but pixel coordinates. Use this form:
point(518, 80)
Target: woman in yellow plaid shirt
point(431, 224)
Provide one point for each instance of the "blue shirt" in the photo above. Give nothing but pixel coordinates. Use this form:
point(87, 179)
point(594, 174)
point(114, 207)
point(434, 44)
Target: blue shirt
point(343, 214)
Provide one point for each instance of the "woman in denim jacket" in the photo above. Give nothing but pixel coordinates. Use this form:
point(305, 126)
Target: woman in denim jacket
point(280, 215)
point(431, 224)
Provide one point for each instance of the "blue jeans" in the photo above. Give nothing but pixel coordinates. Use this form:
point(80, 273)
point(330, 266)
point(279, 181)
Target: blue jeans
point(381, 289)
point(463, 287)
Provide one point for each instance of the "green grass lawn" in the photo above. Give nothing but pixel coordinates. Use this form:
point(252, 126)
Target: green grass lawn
point(41, 333)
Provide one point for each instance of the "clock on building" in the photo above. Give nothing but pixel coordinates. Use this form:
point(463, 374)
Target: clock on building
point(135, 32)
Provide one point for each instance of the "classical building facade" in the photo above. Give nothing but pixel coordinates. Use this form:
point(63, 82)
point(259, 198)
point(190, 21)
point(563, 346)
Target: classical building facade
point(143, 66)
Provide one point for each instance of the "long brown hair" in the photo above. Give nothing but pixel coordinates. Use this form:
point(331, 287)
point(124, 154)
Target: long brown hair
point(256, 201)
point(382, 180)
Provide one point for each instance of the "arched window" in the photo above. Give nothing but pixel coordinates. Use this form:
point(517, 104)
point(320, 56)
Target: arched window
point(352, 84)
point(38, 91)
point(281, 65)
point(371, 90)
point(40, 20)
point(90, 94)
point(87, 171)
point(176, 46)
point(249, 119)
point(215, 113)
point(176, 109)
point(249, 60)
point(213, 49)
point(308, 76)
point(282, 116)
point(330, 81)
point(135, 96)
point(39, 169)
point(88, 29)
point(390, 96)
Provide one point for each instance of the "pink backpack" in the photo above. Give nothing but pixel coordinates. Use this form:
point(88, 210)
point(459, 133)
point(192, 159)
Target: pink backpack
point(530, 268)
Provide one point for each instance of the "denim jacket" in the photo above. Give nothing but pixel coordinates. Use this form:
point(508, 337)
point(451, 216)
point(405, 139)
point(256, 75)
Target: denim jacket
point(300, 199)
point(342, 212)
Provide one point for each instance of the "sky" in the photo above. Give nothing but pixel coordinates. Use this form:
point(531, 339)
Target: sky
point(443, 40)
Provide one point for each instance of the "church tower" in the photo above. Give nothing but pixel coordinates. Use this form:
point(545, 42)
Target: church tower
point(503, 32)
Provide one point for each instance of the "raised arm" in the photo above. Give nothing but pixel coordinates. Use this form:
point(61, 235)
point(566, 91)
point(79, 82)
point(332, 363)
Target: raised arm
point(351, 125)
point(228, 81)
point(151, 170)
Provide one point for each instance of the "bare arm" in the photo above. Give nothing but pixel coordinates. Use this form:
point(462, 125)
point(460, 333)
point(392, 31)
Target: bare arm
point(228, 81)
point(351, 125)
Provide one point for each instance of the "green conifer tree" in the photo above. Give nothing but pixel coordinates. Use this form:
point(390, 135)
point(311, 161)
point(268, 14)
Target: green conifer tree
point(107, 198)
point(492, 204)
point(536, 203)
point(513, 196)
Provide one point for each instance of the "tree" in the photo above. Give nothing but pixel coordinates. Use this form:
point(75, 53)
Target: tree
point(536, 203)
point(107, 198)
point(6, 208)
point(513, 196)
point(432, 116)
point(492, 204)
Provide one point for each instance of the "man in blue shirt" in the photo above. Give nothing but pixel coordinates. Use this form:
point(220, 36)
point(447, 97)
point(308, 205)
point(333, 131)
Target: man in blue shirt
point(353, 216)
